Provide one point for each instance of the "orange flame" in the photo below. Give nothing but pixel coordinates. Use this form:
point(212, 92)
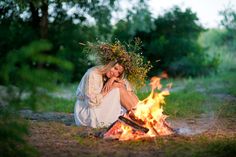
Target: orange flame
point(150, 111)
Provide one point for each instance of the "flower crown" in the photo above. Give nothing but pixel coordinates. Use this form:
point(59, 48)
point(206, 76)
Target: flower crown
point(136, 68)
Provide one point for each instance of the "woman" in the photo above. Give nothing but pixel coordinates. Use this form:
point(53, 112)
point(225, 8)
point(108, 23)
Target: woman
point(103, 95)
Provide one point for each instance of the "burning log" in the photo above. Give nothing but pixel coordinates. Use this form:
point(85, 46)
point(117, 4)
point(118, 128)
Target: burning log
point(133, 124)
point(136, 119)
point(115, 130)
point(153, 128)
point(168, 126)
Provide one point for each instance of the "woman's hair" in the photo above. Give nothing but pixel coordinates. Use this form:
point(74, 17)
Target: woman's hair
point(104, 69)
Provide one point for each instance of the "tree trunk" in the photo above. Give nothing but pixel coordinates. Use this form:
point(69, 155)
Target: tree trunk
point(34, 17)
point(44, 20)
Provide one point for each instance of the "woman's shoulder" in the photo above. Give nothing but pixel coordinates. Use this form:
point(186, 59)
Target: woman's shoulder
point(93, 71)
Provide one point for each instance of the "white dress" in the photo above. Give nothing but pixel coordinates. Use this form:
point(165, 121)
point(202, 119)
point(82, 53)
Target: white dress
point(91, 108)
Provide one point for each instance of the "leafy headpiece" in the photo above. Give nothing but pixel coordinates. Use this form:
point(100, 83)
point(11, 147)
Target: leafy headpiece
point(136, 68)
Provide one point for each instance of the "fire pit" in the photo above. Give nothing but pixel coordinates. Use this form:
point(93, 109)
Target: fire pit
point(147, 119)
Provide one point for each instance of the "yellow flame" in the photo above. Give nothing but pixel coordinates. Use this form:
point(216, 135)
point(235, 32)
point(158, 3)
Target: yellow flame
point(150, 111)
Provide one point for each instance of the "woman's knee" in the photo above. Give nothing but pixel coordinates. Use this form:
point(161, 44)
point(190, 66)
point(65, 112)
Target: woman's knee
point(119, 86)
point(115, 89)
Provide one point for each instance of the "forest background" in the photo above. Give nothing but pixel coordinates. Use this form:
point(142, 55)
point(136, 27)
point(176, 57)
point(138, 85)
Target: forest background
point(41, 43)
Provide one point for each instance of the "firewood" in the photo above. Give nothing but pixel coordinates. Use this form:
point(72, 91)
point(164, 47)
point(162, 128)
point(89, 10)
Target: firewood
point(168, 126)
point(133, 124)
point(153, 128)
point(136, 119)
point(114, 131)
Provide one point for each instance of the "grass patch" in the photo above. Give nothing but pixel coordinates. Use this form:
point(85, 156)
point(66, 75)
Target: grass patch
point(214, 93)
point(185, 104)
point(223, 83)
point(56, 104)
point(227, 109)
point(46, 103)
point(229, 81)
point(200, 146)
point(218, 148)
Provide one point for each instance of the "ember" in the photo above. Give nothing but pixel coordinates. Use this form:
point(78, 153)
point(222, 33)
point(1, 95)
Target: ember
point(148, 119)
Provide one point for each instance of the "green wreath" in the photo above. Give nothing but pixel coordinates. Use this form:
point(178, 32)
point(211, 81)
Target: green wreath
point(136, 68)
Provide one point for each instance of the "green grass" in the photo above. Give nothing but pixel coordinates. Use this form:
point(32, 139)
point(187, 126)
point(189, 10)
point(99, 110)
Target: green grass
point(185, 104)
point(46, 103)
point(56, 104)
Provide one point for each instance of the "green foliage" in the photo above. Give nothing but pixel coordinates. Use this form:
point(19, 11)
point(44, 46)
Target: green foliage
point(31, 67)
point(13, 134)
point(195, 64)
point(63, 29)
point(229, 23)
point(173, 45)
point(138, 19)
point(214, 48)
point(32, 71)
point(25, 73)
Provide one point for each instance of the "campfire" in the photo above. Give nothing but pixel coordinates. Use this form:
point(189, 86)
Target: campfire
point(147, 119)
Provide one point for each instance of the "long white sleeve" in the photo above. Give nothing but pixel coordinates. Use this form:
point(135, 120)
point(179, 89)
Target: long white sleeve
point(93, 88)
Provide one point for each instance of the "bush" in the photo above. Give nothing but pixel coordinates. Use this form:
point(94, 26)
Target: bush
point(194, 65)
point(173, 45)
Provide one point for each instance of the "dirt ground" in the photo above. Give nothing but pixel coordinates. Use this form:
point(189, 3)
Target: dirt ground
point(55, 134)
point(59, 139)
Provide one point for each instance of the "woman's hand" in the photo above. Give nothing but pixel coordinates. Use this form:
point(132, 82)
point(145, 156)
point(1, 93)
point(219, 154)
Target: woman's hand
point(121, 81)
point(108, 86)
point(113, 82)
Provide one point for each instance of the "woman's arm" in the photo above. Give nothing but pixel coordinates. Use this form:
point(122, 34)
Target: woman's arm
point(93, 88)
point(109, 85)
point(128, 92)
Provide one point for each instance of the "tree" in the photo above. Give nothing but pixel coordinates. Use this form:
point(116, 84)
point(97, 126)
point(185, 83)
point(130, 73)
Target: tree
point(173, 46)
point(229, 23)
point(64, 23)
point(138, 19)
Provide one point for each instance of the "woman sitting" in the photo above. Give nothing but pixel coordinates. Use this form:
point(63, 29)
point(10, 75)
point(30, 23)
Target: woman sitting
point(103, 93)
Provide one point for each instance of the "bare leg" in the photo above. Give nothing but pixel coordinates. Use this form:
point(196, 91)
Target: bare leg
point(128, 99)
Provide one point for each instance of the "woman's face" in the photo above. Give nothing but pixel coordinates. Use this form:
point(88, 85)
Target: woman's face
point(115, 71)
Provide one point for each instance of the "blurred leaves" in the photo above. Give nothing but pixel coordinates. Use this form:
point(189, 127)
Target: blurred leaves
point(31, 67)
point(229, 23)
point(172, 45)
point(29, 70)
point(12, 135)
point(170, 41)
point(138, 19)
